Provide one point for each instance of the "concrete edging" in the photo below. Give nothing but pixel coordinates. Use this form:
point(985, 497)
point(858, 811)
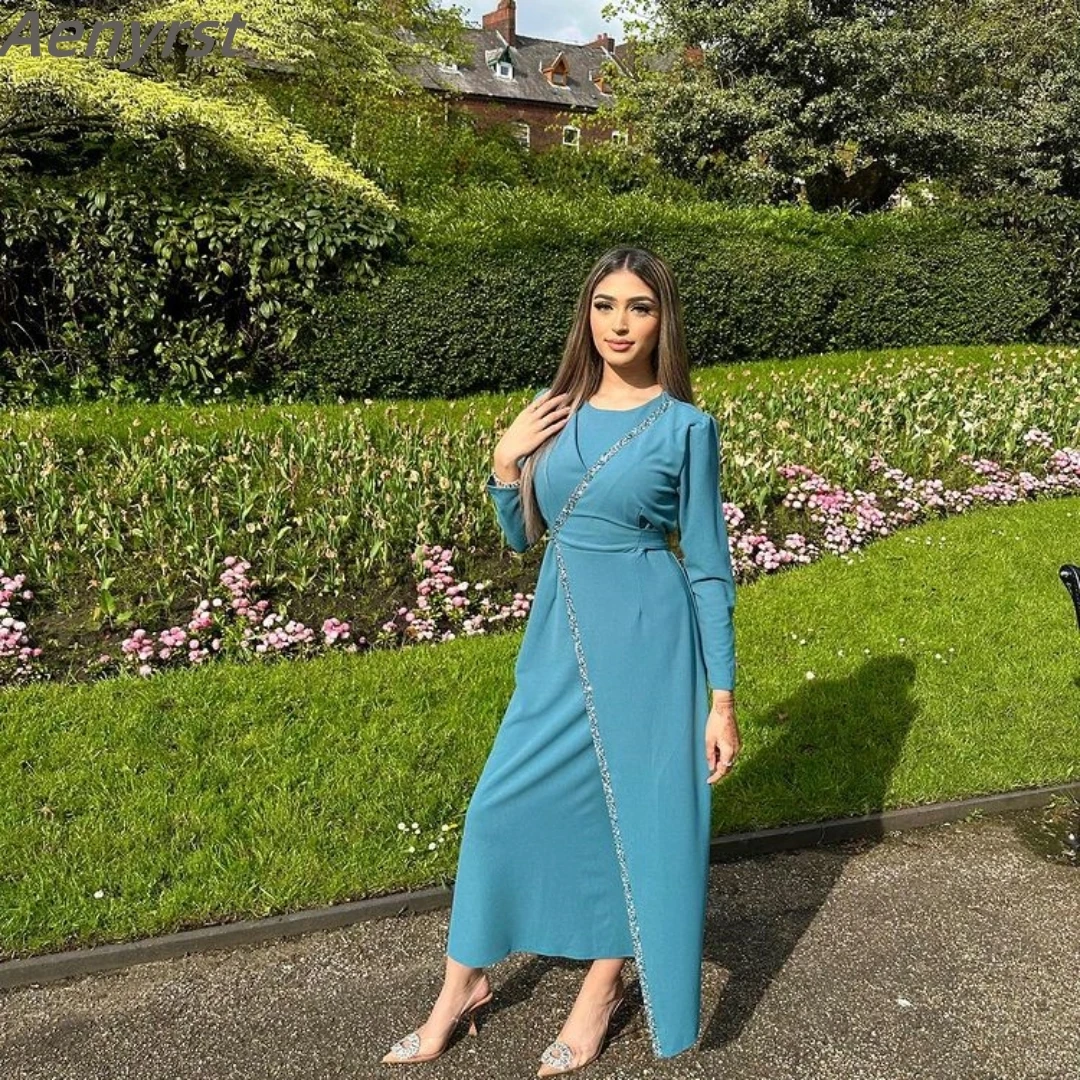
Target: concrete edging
point(34, 970)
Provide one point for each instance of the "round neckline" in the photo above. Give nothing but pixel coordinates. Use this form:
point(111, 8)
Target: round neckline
point(633, 408)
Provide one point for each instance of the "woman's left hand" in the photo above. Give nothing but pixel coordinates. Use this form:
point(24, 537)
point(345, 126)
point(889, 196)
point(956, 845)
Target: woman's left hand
point(722, 740)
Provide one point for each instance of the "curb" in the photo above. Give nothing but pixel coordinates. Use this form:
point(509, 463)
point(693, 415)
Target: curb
point(35, 970)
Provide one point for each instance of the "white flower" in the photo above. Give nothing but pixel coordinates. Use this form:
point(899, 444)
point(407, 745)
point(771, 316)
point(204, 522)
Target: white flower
point(811, 675)
point(99, 894)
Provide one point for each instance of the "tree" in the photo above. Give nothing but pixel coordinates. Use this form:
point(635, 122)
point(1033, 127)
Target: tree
point(841, 100)
point(54, 108)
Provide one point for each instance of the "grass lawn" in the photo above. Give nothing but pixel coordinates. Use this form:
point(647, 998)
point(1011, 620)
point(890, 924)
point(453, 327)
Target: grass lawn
point(945, 663)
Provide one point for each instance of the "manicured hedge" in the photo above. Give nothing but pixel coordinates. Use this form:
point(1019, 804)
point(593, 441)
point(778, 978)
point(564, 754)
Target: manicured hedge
point(112, 288)
point(485, 298)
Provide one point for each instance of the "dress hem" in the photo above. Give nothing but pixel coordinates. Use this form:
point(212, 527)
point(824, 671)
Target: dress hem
point(565, 954)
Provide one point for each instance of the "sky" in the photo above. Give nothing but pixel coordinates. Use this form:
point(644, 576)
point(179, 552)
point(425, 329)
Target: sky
point(573, 21)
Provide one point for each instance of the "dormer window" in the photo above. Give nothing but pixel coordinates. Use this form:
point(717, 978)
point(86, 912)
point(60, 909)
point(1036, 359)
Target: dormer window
point(557, 72)
point(451, 68)
point(504, 70)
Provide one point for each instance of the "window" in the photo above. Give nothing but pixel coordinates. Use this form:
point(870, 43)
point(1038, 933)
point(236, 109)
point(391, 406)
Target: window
point(504, 70)
point(571, 136)
point(559, 78)
point(521, 132)
point(619, 137)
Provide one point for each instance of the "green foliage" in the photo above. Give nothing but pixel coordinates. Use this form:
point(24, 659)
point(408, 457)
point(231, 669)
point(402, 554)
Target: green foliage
point(1050, 228)
point(485, 298)
point(603, 166)
point(167, 226)
point(104, 291)
point(841, 102)
point(146, 109)
point(420, 157)
point(351, 52)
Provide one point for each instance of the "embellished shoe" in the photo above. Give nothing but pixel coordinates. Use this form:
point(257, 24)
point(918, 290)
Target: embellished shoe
point(559, 1057)
point(408, 1048)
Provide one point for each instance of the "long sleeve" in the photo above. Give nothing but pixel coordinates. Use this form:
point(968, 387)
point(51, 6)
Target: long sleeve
point(706, 556)
point(508, 509)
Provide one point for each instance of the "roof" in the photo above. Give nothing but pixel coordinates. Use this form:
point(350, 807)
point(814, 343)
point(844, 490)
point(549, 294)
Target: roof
point(529, 56)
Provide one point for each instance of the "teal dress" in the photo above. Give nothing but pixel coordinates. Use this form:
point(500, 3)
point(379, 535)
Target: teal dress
point(587, 834)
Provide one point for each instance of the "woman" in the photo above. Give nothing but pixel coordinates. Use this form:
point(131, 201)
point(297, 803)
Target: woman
point(587, 835)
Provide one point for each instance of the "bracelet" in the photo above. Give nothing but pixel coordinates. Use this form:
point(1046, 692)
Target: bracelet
point(504, 483)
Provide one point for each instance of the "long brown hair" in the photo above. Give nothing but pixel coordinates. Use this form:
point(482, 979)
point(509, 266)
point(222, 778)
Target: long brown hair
point(582, 367)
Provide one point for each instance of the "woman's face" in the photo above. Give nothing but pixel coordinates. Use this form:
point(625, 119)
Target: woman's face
point(624, 308)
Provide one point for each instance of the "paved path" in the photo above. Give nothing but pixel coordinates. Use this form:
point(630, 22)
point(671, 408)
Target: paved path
point(947, 952)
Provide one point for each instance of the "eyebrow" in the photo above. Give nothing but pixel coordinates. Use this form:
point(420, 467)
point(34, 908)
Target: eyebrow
point(604, 296)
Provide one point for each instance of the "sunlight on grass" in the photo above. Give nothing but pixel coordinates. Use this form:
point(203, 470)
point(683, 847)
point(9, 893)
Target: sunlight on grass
point(944, 663)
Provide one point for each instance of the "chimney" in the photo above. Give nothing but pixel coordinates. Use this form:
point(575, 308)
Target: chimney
point(605, 41)
point(503, 20)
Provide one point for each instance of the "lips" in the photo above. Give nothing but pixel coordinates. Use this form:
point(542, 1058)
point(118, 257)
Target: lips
point(610, 342)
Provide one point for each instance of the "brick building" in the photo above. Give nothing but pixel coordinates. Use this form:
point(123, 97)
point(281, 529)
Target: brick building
point(544, 89)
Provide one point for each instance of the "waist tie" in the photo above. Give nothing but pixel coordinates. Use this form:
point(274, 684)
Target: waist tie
point(646, 540)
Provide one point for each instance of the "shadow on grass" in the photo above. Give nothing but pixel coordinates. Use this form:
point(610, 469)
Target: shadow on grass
point(853, 730)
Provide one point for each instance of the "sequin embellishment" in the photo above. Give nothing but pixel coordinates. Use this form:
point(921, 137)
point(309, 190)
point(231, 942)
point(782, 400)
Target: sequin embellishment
point(609, 796)
point(559, 1055)
point(407, 1047)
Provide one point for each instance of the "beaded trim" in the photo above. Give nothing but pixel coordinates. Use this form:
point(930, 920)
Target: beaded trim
point(590, 708)
point(493, 479)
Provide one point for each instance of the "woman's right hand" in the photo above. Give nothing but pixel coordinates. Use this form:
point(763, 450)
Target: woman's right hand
point(535, 423)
